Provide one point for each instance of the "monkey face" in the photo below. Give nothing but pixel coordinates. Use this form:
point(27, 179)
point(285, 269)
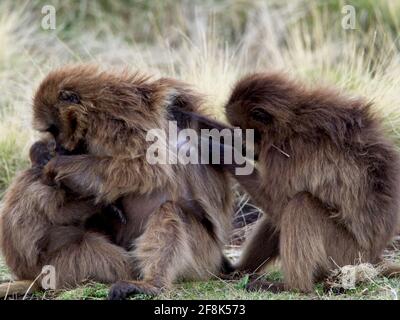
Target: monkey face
point(264, 102)
point(59, 109)
point(76, 103)
point(41, 152)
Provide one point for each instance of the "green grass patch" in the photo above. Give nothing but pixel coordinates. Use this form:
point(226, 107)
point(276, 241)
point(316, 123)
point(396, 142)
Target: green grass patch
point(379, 289)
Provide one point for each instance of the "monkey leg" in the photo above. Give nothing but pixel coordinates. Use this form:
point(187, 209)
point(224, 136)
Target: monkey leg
point(87, 256)
point(261, 248)
point(20, 287)
point(304, 232)
point(162, 254)
point(76, 257)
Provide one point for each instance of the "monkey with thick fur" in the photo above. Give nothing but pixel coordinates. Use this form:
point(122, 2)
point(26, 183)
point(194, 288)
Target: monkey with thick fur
point(185, 211)
point(326, 177)
point(42, 224)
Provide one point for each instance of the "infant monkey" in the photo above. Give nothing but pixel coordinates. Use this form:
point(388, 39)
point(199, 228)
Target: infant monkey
point(42, 152)
point(43, 224)
point(327, 179)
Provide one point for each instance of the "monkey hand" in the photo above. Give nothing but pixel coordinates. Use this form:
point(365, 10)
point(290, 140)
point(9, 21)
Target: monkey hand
point(65, 171)
point(58, 173)
point(123, 289)
point(48, 176)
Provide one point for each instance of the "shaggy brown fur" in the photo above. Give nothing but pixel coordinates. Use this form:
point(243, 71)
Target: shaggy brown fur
point(178, 216)
point(45, 225)
point(327, 179)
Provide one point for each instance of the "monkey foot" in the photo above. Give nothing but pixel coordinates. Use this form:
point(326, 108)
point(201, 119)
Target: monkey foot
point(123, 289)
point(264, 285)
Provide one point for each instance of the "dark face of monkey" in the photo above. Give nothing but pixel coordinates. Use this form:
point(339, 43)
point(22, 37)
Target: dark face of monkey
point(59, 111)
point(42, 151)
point(74, 103)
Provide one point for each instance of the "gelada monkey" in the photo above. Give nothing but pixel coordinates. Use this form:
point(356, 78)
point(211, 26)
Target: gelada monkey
point(178, 216)
point(43, 224)
point(326, 177)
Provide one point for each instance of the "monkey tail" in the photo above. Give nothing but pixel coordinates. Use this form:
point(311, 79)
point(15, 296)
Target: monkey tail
point(21, 287)
point(390, 269)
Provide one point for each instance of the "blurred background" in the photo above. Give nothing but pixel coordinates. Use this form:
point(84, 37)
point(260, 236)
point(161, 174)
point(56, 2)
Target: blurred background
point(210, 44)
point(206, 43)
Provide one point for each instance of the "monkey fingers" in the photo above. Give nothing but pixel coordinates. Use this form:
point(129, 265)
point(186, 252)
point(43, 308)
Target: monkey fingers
point(123, 289)
point(48, 176)
point(226, 156)
point(65, 170)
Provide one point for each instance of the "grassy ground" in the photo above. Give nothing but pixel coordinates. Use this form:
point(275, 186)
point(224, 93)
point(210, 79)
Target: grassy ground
point(208, 44)
point(377, 288)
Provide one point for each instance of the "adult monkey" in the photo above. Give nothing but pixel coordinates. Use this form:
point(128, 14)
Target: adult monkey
point(186, 210)
point(45, 225)
point(326, 177)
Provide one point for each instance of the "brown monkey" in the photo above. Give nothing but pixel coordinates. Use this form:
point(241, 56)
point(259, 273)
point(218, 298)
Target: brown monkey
point(178, 217)
point(45, 225)
point(327, 179)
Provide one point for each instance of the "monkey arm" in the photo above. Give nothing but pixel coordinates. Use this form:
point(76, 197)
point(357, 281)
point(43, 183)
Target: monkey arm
point(202, 121)
point(252, 185)
point(224, 150)
point(251, 180)
point(107, 178)
point(75, 212)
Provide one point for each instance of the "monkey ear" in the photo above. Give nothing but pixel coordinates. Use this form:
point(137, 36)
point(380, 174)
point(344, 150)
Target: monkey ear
point(260, 115)
point(74, 126)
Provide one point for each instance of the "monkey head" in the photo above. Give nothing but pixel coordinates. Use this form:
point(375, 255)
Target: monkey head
point(84, 107)
point(266, 103)
point(41, 152)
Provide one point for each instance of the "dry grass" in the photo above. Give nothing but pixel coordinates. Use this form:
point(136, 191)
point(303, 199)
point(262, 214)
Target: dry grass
point(208, 44)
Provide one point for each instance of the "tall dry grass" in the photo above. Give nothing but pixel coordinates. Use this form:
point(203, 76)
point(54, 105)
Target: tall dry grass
point(209, 44)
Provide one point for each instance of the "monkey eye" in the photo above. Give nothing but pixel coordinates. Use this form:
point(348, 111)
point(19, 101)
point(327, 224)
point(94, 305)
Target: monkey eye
point(260, 115)
point(69, 96)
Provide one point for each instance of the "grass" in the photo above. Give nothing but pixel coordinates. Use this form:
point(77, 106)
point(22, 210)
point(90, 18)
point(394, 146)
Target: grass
point(209, 44)
point(377, 289)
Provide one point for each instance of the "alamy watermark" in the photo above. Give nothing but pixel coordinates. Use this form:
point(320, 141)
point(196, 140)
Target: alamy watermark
point(49, 19)
point(349, 19)
point(48, 274)
point(211, 146)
